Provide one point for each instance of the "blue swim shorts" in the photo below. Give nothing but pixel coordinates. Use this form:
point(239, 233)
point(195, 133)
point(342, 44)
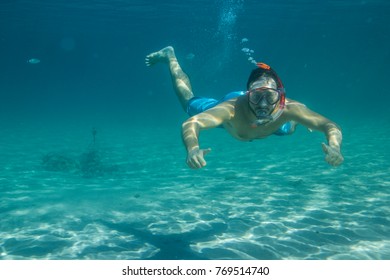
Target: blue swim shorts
point(200, 104)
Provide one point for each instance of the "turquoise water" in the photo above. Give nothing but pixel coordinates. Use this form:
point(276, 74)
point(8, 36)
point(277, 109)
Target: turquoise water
point(271, 199)
point(129, 194)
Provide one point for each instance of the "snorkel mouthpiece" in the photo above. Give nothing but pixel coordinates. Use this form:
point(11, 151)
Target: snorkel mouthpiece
point(262, 120)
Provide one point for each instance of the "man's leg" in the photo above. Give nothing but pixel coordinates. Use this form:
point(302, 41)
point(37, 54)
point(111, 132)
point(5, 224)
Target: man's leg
point(180, 80)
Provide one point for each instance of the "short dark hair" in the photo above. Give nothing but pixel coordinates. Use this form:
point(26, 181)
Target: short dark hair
point(258, 73)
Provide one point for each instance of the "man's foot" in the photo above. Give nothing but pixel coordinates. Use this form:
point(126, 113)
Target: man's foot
point(162, 55)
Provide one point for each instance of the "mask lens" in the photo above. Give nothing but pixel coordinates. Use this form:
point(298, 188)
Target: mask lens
point(270, 95)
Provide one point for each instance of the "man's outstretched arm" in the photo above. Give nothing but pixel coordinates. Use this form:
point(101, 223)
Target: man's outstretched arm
point(190, 133)
point(332, 131)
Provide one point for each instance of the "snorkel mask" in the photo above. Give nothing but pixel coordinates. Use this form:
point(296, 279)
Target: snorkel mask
point(267, 96)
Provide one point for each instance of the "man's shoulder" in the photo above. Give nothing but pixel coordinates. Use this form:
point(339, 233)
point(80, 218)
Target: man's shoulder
point(294, 107)
point(293, 104)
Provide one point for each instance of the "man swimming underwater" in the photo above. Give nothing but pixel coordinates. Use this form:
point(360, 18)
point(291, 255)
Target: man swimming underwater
point(257, 113)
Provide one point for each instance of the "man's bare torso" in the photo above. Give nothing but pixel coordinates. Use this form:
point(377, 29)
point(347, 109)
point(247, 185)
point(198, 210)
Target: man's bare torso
point(240, 124)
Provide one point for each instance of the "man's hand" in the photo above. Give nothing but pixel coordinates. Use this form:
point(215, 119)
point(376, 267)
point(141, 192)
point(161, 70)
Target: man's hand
point(195, 158)
point(332, 155)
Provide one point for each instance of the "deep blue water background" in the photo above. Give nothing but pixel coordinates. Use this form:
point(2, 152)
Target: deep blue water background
point(92, 53)
point(331, 55)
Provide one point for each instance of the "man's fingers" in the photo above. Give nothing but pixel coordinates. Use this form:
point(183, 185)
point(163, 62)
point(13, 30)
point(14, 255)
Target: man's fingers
point(206, 151)
point(201, 162)
point(325, 148)
point(195, 159)
point(197, 163)
point(193, 163)
point(332, 156)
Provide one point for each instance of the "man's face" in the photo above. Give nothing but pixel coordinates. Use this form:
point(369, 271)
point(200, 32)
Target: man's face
point(263, 97)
